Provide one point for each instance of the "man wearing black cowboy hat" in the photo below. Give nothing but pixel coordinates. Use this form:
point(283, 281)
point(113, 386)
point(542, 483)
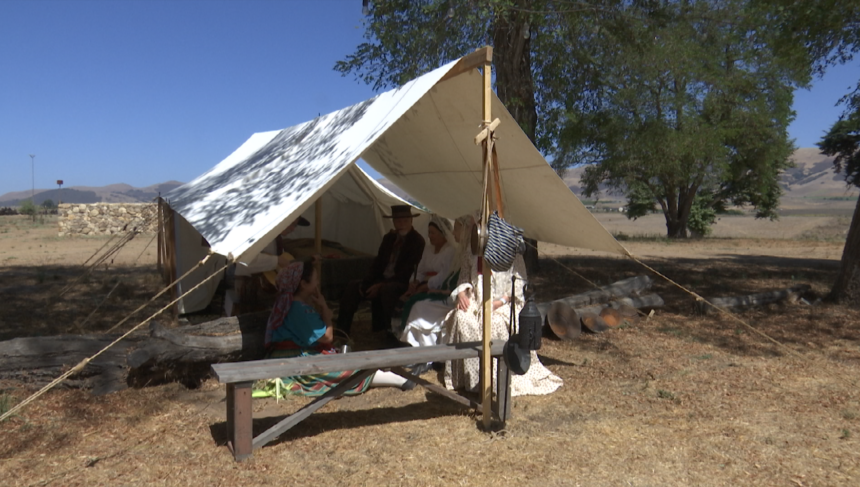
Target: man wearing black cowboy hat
point(396, 260)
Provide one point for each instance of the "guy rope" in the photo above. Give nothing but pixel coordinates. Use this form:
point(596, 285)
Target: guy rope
point(83, 363)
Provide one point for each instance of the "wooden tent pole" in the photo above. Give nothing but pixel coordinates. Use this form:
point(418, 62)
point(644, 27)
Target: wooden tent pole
point(160, 235)
point(318, 235)
point(486, 358)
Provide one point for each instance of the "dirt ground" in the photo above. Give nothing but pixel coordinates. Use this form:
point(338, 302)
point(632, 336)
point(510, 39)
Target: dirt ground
point(678, 400)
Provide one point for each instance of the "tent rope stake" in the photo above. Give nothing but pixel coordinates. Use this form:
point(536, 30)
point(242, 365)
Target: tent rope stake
point(83, 363)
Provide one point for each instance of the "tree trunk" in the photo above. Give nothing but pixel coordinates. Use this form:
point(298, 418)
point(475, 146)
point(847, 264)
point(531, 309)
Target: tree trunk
point(515, 86)
point(677, 209)
point(675, 228)
point(846, 289)
point(512, 62)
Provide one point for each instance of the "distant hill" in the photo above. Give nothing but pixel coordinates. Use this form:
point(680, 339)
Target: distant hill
point(812, 178)
point(113, 193)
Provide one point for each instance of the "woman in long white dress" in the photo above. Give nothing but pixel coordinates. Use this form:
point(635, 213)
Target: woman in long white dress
point(425, 310)
point(465, 324)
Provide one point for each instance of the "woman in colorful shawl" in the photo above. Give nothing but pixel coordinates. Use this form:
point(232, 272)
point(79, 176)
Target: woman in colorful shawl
point(465, 324)
point(301, 325)
point(424, 312)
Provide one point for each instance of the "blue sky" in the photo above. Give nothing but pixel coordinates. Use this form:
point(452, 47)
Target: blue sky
point(142, 92)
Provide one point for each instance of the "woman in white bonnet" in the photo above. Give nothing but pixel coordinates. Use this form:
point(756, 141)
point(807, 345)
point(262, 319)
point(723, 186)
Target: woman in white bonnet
point(425, 309)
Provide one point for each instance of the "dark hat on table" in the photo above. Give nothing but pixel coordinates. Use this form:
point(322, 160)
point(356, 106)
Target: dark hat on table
point(401, 211)
point(302, 222)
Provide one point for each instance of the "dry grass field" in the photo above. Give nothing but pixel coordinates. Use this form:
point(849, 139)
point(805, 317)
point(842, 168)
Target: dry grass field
point(678, 400)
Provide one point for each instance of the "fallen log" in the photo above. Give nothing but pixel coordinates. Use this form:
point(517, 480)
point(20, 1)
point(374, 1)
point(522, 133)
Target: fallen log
point(567, 323)
point(593, 322)
point(227, 326)
point(612, 317)
point(625, 287)
point(181, 355)
point(649, 301)
point(563, 321)
point(39, 360)
point(791, 294)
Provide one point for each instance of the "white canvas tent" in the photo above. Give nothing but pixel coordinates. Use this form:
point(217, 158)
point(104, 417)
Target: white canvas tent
point(352, 214)
point(419, 136)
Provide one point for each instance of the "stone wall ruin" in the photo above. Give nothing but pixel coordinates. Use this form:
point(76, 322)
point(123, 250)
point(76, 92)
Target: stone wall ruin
point(106, 218)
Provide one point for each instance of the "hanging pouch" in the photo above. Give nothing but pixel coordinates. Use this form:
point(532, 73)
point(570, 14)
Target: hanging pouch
point(504, 242)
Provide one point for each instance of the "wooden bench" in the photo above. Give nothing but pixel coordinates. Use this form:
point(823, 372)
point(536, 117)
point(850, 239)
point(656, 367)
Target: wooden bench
point(240, 377)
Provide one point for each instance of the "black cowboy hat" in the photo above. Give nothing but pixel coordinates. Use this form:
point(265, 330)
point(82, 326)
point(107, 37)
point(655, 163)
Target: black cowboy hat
point(401, 211)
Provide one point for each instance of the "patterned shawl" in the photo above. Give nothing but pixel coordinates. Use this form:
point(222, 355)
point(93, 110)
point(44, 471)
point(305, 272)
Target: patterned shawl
point(287, 282)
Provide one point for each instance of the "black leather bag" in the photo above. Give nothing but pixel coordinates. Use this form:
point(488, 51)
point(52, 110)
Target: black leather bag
point(504, 242)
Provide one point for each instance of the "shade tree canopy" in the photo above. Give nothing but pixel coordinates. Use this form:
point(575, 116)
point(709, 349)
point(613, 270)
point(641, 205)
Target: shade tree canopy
point(692, 108)
point(672, 102)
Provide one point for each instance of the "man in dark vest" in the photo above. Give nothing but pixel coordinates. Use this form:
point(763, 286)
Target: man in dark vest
point(395, 262)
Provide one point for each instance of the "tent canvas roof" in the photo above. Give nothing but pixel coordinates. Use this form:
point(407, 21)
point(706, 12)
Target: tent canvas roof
point(419, 136)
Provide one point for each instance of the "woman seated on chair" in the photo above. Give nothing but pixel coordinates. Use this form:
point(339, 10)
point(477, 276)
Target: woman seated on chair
point(301, 325)
point(428, 297)
point(465, 323)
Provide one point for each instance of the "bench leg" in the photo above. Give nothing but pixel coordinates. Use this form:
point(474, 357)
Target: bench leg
point(240, 420)
point(503, 391)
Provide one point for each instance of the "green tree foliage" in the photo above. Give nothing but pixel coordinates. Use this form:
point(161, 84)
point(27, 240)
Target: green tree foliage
point(693, 106)
point(48, 204)
point(27, 208)
point(672, 99)
point(829, 30)
point(843, 142)
point(702, 216)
